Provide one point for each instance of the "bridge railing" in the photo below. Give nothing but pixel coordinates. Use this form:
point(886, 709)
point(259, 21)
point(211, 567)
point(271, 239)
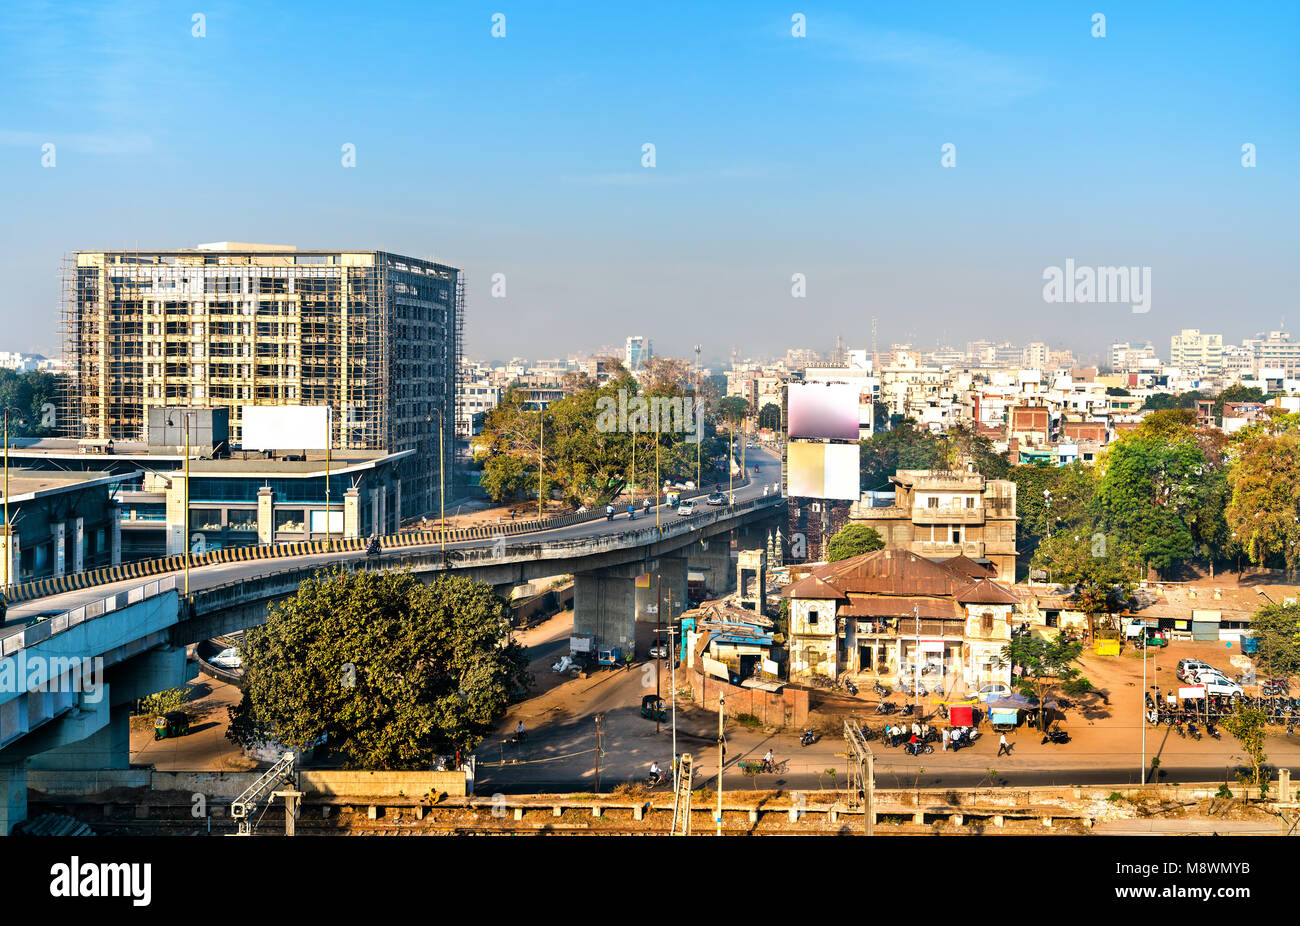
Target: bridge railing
point(285, 581)
point(45, 626)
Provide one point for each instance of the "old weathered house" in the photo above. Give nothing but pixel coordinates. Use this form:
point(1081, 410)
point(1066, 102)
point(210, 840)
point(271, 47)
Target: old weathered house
point(897, 617)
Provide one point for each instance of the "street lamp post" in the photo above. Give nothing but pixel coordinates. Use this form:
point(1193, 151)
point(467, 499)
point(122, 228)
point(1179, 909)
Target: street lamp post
point(442, 483)
point(185, 423)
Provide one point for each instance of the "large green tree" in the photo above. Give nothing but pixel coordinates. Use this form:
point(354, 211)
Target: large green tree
point(392, 671)
point(1263, 510)
point(30, 397)
point(853, 539)
point(1157, 489)
point(1276, 627)
point(1101, 568)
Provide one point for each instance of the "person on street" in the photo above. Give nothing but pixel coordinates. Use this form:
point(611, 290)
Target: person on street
point(656, 776)
point(1003, 746)
point(631, 511)
point(645, 506)
point(519, 730)
point(609, 512)
point(945, 739)
point(769, 764)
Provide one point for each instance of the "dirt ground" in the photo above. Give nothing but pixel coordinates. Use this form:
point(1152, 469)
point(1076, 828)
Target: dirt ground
point(205, 746)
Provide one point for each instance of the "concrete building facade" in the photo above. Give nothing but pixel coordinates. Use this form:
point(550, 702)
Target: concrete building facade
point(374, 335)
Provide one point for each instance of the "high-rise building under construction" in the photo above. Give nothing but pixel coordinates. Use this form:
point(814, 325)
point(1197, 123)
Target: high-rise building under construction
point(374, 335)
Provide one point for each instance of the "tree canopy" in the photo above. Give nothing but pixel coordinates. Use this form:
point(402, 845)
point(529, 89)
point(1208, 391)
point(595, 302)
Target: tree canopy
point(26, 395)
point(853, 539)
point(392, 671)
point(909, 447)
point(584, 442)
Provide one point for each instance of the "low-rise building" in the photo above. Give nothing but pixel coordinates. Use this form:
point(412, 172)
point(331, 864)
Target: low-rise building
point(944, 514)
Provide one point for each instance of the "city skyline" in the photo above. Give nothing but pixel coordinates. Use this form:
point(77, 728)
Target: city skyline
point(774, 156)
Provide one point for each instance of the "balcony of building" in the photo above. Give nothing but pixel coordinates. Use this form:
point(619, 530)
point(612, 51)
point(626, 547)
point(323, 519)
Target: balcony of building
point(971, 548)
point(948, 514)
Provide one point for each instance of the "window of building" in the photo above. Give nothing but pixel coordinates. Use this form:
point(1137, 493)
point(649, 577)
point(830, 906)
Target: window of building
point(932, 502)
point(970, 502)
point(812, 618)
point(986, 623)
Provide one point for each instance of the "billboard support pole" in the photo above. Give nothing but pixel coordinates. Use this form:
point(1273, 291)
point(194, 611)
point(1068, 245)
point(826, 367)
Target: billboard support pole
point(328, 440)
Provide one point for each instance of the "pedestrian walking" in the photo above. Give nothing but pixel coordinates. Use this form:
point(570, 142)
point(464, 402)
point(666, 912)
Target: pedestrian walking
point(945, 739)
point(1003, 746)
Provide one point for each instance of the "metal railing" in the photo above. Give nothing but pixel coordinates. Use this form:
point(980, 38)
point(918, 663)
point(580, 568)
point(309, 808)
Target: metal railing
point(284, 581)
point(44, 627)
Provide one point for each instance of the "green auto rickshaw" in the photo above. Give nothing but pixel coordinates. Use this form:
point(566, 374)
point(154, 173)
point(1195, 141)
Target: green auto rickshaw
point(172, 723)
point(652, 708)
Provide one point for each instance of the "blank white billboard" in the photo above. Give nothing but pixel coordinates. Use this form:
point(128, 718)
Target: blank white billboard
point(285, 427)
point(843, 476)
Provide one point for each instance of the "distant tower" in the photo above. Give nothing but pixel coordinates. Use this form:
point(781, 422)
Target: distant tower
point(875, 349)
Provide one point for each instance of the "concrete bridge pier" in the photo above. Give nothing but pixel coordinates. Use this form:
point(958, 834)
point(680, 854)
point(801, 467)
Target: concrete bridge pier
point(605, 604)
point(669, 580)
point(715, 559)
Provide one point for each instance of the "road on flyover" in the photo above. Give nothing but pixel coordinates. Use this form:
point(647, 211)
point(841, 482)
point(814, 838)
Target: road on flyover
point(202, 577)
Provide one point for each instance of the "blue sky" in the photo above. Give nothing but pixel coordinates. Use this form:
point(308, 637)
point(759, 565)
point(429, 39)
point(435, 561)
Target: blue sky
point(775, 155)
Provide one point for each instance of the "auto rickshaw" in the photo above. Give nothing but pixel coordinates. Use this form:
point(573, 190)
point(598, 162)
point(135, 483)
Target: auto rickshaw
point(652, 708)
point(172, 723)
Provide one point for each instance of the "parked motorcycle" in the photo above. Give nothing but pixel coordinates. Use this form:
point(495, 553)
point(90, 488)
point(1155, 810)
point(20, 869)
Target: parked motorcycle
point(916, 749)
point(1060, 737)
point(807, 738)
point(850, 687)
point(886, 707)
point(1192, 731)
point(907, 710)
point(881, 690)
point(1212, 730)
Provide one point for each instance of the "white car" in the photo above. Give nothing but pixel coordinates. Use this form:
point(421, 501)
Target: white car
point(1216, 683)
point(995, 692)
point(228, 658)
point(685, 509)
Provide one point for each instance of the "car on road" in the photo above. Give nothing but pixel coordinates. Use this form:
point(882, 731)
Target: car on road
point(716, 498)
point(686, 509)
point(994, 692)
point(659, 651)
point(228, 658)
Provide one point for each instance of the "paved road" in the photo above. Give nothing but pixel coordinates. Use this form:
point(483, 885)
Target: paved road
point(768, 477)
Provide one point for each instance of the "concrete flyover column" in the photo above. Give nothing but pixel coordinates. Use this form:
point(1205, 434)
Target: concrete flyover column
point(78, 544)
point(176, 540)
point(672, 573)
point(604, 605)
point(10, 552)
point(265, 515)
point(713, 557)
point(397, 504)
point(352, 513)
point(376, 527)
point(115, 536)
point(59, 536)
point(13, 795)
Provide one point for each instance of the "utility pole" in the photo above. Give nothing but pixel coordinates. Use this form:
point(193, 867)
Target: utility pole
point(185, 420)
point(916, 661)
point(659, 624)
point(600, 718)
point(1145, 691)
point(658, 482)
point(328, 441)
point(541, 454)
point(722, 756)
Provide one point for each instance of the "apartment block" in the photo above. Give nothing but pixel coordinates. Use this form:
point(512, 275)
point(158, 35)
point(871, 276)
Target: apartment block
point(376, 336)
